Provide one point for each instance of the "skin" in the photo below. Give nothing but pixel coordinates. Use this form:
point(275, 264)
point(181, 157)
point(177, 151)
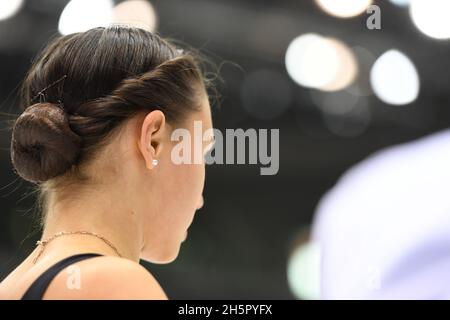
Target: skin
point(143, 210)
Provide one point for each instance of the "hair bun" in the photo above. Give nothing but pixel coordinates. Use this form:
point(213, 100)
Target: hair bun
point(43, 145)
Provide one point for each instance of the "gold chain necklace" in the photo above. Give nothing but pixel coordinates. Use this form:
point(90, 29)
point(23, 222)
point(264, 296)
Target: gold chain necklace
point(44, 242)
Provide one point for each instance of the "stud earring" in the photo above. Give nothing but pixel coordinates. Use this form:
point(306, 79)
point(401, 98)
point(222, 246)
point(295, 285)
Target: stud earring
point(154, 162)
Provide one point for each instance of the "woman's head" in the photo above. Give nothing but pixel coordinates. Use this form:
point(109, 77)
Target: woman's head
point(100, 107)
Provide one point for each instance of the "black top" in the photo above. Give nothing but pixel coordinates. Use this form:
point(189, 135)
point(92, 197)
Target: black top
point(39, 286)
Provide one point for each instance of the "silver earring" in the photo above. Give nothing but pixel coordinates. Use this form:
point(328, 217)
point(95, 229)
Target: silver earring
point(154, 162)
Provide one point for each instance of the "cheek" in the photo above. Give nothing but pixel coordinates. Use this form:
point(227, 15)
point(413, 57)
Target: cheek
point(190, 182)
point(183, 187)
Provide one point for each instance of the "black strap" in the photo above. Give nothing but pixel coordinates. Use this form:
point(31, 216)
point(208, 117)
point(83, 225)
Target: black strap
point(39, 286)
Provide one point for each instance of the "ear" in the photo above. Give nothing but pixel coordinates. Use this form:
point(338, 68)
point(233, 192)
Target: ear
point(152, 136)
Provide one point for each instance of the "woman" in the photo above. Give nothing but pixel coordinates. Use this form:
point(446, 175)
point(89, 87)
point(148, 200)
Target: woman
point(95, 136)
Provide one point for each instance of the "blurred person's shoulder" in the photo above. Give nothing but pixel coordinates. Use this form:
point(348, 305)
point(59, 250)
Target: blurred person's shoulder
point(427, 156)
point(383, 228)
point(386, 182)
point(105, 277)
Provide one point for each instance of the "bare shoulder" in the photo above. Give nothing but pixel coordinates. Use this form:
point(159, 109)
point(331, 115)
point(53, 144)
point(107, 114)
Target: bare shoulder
point(105, 278)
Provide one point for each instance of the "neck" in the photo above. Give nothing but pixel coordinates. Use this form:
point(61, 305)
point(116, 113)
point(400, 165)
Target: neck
point(101, 212)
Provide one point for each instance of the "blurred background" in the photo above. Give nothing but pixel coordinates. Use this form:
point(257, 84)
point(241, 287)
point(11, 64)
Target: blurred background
point(340, 79)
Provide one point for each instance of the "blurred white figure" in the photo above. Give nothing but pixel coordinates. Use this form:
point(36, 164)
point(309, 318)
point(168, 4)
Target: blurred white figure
point(384, 229)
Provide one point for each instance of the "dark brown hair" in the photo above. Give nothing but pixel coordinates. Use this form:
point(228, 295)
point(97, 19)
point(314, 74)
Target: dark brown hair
point(84, 85)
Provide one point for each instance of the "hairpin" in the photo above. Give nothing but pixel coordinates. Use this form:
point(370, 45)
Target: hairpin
point(41, 94)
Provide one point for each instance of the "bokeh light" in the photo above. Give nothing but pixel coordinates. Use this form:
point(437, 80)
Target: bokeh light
point(431, 17)
point(339, 102)
point(310, 61)
point(136, 13)
point(394, 78)
point(344, 8)
point(349, 124)
point(82, 15)
point(347, 67)
point(9, 8)
point(317, 62)
point(304, 271)
point(361, 85)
